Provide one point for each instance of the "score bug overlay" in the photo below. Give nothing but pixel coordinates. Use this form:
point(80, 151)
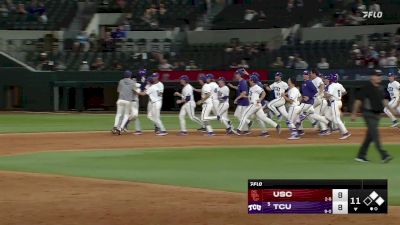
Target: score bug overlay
point(317, 196)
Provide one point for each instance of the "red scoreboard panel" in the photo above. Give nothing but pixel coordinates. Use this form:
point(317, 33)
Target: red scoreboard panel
point(317, 196)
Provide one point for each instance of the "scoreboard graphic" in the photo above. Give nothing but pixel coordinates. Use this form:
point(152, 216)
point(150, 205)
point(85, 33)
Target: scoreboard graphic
point(317, 196)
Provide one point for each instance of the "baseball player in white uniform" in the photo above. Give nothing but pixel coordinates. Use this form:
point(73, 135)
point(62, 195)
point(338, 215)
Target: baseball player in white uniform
point(214, 92)
point(207, 104)
point(155, 92)
point(334, 96)
point(279, 87)
point(188, 104)
point(394, 89)
point(293, 99)
point(256, 95)
point(126, 87)
point(222, 111)
point(319, 84)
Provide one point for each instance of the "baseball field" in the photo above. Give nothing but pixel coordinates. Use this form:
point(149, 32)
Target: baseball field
point(69, 169)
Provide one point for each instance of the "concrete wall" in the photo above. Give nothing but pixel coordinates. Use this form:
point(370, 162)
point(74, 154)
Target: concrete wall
point(347, 32)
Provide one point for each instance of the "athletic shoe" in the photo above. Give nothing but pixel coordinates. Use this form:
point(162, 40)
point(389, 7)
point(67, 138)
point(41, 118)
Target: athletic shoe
point(183, 133)
point(345, 136)
point(387, 159)
point(362, 160)
point(119, 131)
point(229, 131)
point(264, 134)
point(125, 130)
point(114, 130)
point(278, 129)
point(294, 137)
point(138, 132)
point(162, 133)
point(237, 132)
point(247, 132)
point(202, 129)
point(156, 130)
point(395, 124)
point(218, 118)
point(324, 133)
point(300, 132)
point(210, 134)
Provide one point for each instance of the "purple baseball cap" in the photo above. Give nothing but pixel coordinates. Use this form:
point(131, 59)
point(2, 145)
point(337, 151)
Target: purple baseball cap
point(210, 76)
point(184, 77)
point(127, 74)
point(222, 78)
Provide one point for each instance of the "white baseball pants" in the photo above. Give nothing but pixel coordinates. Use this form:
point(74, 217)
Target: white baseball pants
point(188, 109)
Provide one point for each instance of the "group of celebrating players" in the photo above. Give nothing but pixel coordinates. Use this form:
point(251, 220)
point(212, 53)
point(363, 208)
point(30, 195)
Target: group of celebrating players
point(320, 100)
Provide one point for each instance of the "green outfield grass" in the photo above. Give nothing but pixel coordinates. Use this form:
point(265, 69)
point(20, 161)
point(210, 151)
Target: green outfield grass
point(50, 122)
point(225, 168)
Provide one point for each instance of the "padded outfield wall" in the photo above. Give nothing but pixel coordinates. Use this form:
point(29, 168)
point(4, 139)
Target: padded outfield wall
point(63, 91)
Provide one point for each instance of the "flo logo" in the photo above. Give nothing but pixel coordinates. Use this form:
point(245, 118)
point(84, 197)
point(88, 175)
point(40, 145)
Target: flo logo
point(254, 207)
point(372, 14)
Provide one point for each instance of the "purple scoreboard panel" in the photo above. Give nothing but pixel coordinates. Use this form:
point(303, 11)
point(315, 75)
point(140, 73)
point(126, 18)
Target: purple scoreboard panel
point(317, 196)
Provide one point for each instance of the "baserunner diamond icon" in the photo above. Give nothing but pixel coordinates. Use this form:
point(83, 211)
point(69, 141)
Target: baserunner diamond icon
point(380, 201)
point(367, 201)
point(373, 195)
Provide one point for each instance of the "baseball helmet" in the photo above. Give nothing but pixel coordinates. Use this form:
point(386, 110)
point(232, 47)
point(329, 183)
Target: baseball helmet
point(202, 77)
point(184, 77)
point(222, 78)
point(391, 74)
point(254, 78)
point(210, 76)
point(334, 77)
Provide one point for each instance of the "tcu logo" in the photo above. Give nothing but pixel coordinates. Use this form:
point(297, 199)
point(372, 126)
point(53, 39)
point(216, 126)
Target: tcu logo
point(254, 207)
point(371, 14)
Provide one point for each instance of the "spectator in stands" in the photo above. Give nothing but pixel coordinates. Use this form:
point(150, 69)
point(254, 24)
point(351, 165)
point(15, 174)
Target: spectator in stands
point(290, 62)
point(41, 11)
point(119, 33)
point(382, 59)
point(290, 5)
point(108, 43)
point(4, 10)
point(162, 10)
point(192, 66)
point(116, 65)
point(359, 6)
point(358, 59)
point(374, 7)
point(234, 65)
point(11, 6)
point(373, 53)
point(278, 63)
point(262, 16)
point(21, 9)
point(98, 64)
point(164, 65)
point(340, 20)
point(392, 59)
point(121, 4)
point(355, 18)
point(180, 65)
point(323, 65)
point(300, 64)
point(249, 15)
point(93, 41)
point(84, 66)
point(81, 42)
point(150, 16)
point(243, 64)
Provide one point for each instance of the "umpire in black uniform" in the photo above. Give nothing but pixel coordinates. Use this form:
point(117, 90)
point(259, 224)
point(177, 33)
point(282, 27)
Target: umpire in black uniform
point(371, 99)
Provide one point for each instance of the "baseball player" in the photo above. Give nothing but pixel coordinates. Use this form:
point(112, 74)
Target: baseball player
point(125, 89)
point(188, 104)
point(319, 84)
point(293, 99)
point(309, 92)
point(155, 92)
point(241, 100)
point(279, 87)
point(394, 89)
point(334, 96)
point(207, 104)
point(256, 95)
point(223, 97)
point(214, 92)
point(134, 113)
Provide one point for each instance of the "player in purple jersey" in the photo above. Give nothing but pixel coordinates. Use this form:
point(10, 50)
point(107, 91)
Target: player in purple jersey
point(306, 108)
point(241, 100)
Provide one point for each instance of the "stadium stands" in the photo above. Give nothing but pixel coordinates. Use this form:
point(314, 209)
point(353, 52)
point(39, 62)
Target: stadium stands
point(36, 15)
